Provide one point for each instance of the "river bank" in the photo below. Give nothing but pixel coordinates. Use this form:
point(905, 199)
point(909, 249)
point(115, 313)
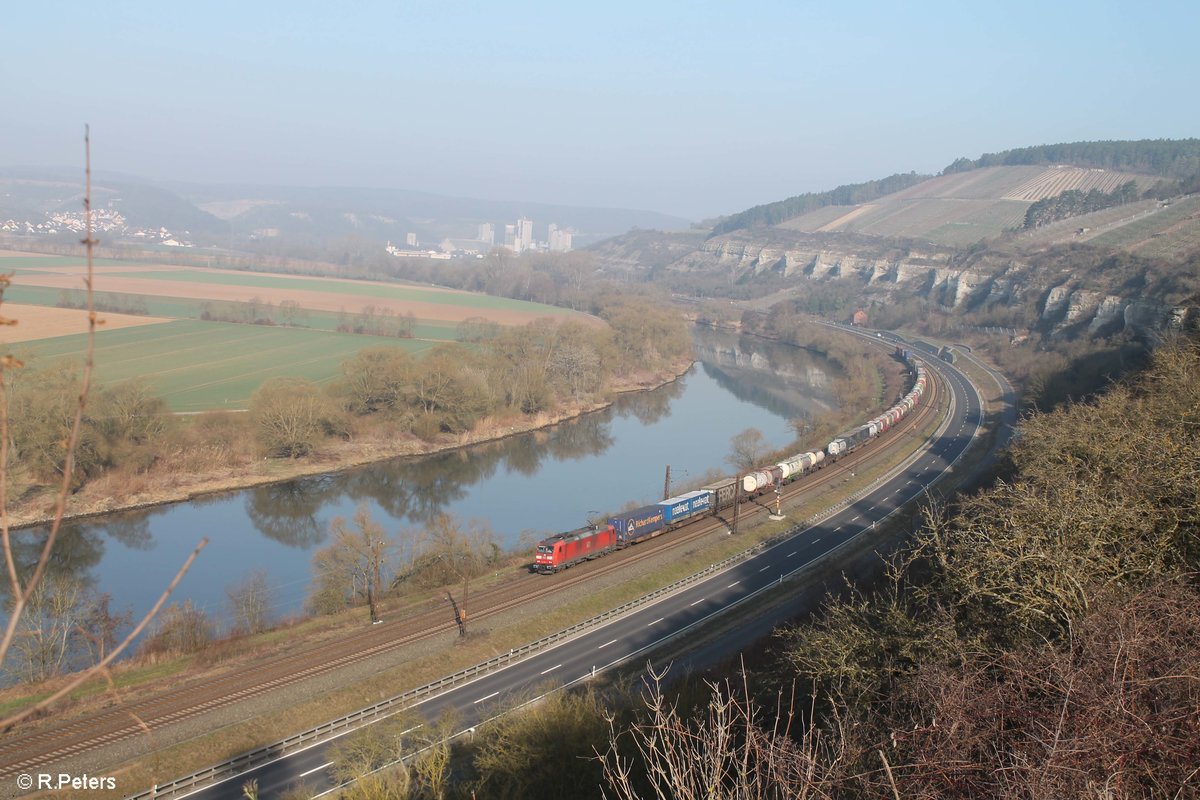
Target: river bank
point(167, 484)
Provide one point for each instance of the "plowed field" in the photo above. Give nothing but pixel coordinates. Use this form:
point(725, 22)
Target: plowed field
point(318, 294)
point(43, 322)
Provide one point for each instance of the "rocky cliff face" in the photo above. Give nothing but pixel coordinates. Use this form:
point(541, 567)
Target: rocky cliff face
point(1061, 299)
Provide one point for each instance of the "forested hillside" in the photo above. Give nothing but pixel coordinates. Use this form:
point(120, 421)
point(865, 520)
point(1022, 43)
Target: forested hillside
point(1164, 157)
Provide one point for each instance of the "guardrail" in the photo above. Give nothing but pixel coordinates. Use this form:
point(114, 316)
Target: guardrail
point(330, 730)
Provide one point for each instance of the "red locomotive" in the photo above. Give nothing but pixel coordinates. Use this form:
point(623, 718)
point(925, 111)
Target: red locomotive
point(564, 549)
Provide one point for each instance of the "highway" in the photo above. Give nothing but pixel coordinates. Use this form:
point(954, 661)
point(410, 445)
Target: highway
point(650, 626)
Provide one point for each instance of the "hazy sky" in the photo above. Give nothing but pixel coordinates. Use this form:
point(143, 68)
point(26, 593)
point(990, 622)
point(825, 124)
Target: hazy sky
point(690, 108)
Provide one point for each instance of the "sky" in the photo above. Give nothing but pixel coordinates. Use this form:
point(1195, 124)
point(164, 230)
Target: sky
point(689, 108)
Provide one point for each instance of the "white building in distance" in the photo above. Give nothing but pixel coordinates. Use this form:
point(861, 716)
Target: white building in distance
point(524, 234)
point(558, 241)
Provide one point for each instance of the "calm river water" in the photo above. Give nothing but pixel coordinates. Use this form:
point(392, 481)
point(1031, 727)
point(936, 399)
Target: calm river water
point(523, 487)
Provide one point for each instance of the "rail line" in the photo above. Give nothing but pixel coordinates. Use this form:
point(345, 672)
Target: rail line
point(30, 749)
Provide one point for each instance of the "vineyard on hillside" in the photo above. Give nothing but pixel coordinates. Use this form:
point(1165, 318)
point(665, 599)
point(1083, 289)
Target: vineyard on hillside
point(1056, 180)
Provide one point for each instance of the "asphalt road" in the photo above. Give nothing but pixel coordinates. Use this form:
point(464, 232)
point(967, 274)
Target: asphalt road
point(650, 626)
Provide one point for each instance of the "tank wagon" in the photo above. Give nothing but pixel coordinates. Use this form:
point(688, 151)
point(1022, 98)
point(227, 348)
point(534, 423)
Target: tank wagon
point(856, 437)
point(563, 550)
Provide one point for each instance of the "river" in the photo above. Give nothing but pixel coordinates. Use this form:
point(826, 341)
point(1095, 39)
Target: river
point(523, 487)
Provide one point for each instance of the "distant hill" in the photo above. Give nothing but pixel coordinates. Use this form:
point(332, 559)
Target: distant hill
point(327, 212)
point(979, 198)
point(31, 193)
point(1107, 249)
point(214, 213)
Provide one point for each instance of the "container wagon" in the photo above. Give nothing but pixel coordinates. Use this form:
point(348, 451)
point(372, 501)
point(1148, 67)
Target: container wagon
point(641, 523)
point(686, 506)
point(723, 491)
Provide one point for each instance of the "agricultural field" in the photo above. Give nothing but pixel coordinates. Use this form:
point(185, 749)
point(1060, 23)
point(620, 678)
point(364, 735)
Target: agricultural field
point(1053, 181)
point(196, 363)
point(316, 294)
point(1167, 232)
point(989, 183)
point(1146, 228)
point(184, 308)
point(818, 219)
point(196, 366)
point(43, 322)
point(961, 208)
point(945, 220)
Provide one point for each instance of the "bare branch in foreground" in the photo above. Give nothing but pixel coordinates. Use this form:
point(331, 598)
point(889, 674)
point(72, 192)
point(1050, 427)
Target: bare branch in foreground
point(21, 594)
point(8, 723)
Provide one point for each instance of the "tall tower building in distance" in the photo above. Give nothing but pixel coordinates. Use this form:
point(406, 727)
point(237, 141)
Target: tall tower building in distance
point(487, 234)
point(510, 238)
point(524, 234)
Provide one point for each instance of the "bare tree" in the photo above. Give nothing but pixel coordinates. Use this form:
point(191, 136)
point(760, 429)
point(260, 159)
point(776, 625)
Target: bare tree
point(290, 416)
point(724, 753)
point(182, 628)
point(101, 628)
point(368, 764)
point(47, 628)
point(250, 601)
point(352, 566)
point(22, 587)
point(431, 767)
point(461, 554)
point(746, 449)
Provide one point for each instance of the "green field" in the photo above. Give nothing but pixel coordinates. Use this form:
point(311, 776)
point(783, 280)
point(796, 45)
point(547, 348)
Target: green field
point(184, 308)
point(42, 263)
point(196, 365)
point(348, 288)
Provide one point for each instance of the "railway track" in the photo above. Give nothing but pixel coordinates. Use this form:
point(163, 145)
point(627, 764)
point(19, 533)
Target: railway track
point(44, 745)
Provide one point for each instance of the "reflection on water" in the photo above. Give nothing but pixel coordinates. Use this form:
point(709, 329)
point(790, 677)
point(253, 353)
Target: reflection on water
point(523, 486)
point(765, 373)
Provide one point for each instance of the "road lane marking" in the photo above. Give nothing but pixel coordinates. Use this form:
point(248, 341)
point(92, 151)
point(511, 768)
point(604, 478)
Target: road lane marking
point(817, 540)
point(315, 769)
point(735, 583)
point(606, 644)
point(556, 666)
point(648, 624)
point(489, 697)
point(789, 555)
point(698, 602)
point(764, 569)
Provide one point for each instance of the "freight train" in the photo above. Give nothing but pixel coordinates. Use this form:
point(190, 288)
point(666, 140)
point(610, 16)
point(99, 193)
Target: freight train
point(845, 442)
point(563, 550)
